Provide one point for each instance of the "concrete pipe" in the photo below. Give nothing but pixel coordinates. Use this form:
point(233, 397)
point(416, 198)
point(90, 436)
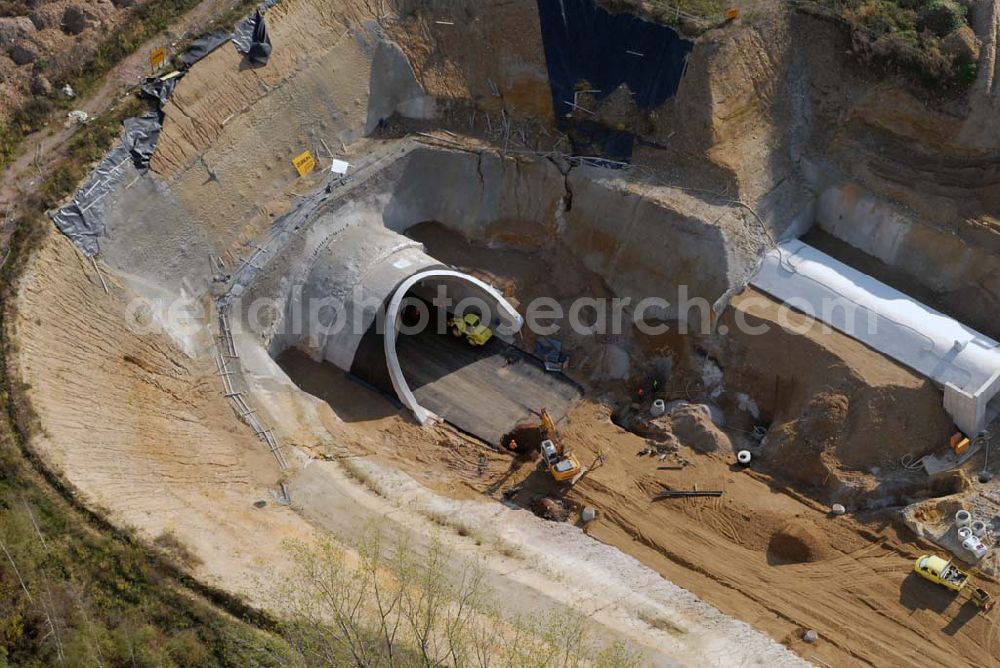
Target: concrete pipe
point(978, 528)
point(963, 518)
point(975, 546)
point(744, 457)
point(659, 408)
point(964, 533)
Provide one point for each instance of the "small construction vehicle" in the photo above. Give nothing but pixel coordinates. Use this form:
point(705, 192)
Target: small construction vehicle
point(471, 327)
point(945, 573)
point(561, 465)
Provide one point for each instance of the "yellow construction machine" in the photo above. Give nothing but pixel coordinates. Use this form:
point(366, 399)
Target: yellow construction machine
point(562, 464)
point(471, 327)
point(945, 573)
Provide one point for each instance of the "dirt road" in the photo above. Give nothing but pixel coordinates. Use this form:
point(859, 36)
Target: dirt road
point(40, 149)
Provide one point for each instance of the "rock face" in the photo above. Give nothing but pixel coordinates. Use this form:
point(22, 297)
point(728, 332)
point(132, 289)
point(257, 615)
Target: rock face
point(44, 18)
point(23, 53)
point(74, 20)
point(14, 29)
point(40, 85)
point(962, 43)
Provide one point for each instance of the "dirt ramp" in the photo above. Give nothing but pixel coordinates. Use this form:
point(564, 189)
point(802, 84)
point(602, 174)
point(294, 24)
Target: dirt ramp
point(138, 428)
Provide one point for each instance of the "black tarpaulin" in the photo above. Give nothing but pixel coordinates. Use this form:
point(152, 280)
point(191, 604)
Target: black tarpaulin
point(141, 135)
point(82, 220)
point(586, 44)
point(160, 88)
point(204, 45)
point(260, 45)
point(252, 38)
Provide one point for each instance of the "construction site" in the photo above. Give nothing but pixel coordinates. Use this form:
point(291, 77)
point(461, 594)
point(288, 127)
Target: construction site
point(690, 330)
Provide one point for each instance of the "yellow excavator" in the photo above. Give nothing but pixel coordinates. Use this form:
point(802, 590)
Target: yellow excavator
point(562, 464)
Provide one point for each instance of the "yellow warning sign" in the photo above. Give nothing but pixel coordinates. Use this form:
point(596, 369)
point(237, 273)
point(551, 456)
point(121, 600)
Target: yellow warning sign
point(157, 58)
point(304, 163)
point(732, 13)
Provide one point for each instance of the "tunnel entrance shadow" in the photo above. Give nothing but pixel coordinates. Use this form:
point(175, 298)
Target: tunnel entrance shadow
point(352, 399)
point(481, 390)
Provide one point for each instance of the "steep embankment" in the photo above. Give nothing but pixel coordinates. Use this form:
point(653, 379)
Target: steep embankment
point(140, 429)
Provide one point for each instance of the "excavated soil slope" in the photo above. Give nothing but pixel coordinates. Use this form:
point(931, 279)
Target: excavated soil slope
point(139, 428)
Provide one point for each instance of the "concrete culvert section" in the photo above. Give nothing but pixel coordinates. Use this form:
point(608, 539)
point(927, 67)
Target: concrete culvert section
point(352, 311)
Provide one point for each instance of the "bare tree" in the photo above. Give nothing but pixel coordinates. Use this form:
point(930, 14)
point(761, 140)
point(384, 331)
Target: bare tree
point(392, 605)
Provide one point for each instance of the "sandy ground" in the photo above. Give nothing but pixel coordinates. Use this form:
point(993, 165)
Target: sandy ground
point(115, 406)
point(763, 552)
point(141, 432)
point(141, 429)
point(728, 551)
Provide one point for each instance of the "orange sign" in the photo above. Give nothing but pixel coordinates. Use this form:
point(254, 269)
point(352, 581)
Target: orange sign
point(304, 163)
point(157, 58)
point(732, 14)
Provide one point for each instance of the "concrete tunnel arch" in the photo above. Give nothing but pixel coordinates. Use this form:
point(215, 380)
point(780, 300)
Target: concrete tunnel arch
point(512, 324)
point(368, 271)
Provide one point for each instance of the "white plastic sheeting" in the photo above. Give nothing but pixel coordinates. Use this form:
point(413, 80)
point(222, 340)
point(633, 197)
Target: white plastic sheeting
point(963, 361)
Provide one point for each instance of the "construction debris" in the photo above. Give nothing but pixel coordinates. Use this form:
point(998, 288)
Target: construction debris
point(678, 494)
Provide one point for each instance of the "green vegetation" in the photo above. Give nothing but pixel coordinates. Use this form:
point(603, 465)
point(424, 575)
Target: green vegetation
point(400, 605)
point(928, 40)
point(710, 10)
point(145, 21)
point(690, 16)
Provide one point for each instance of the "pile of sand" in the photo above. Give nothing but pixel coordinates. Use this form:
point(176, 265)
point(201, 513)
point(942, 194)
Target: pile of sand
point(840, 416)
point(692, 424)
point(797, 542)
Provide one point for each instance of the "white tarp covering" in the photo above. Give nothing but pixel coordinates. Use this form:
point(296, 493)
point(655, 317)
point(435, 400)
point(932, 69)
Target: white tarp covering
point(957, 357)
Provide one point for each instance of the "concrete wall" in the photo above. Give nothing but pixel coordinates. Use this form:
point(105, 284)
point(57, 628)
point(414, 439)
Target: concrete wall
point(353, 275)
point(964, 275)
point(478, 195)
point(642, 241)
point(963, 361)
point(637, 239)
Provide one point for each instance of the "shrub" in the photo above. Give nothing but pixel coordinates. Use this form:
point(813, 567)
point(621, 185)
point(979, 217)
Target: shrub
point(941, 17)
point(906, 36)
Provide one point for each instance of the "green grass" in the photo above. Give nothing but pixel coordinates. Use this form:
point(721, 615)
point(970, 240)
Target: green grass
point(907, 37)
point(144, 22)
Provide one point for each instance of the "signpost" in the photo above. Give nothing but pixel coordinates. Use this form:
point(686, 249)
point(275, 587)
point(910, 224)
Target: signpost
point(157, 58)
point(304, 163)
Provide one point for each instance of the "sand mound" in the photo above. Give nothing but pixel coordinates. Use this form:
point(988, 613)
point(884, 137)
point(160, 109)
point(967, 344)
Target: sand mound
point(798, 542)
point(692, 424)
